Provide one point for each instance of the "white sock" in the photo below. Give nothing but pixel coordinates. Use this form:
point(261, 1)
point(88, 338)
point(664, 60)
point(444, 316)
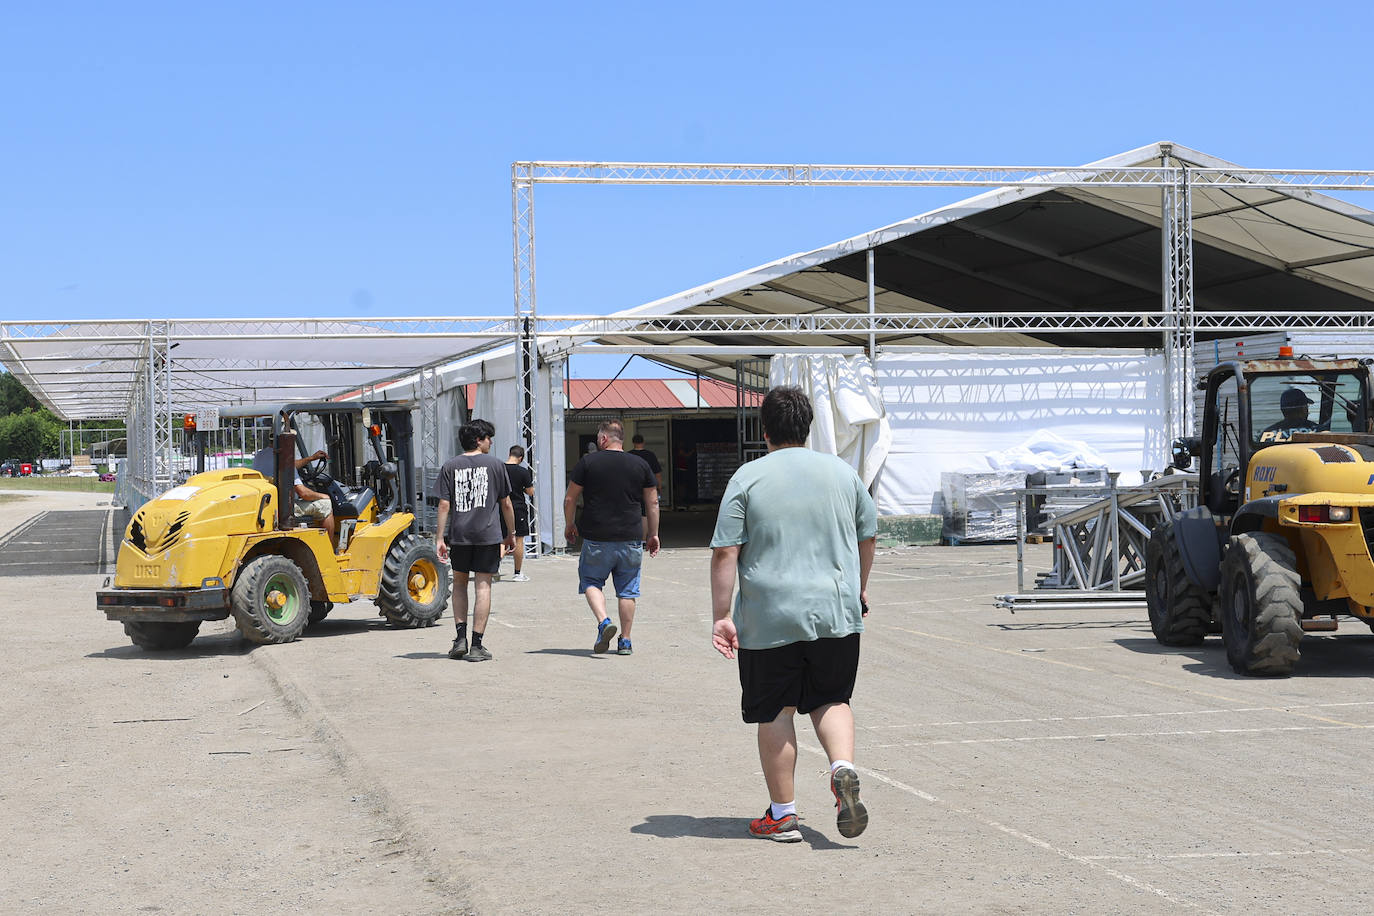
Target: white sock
point(781, 811)
point(840, 763)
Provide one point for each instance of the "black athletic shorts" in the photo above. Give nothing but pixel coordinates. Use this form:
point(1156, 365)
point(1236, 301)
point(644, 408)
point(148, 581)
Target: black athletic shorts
point(522, 523)
point(478, 558)
point(807, 675)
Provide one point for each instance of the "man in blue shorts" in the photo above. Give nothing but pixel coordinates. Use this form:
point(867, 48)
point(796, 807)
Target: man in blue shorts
point(798, 527)
point(615, 487)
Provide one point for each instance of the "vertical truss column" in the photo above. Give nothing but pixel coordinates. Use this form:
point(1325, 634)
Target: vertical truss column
point(549, 479)
point(429, 448)
point(429, 413)
point(160, 406)
point(1177, 239)
point(526, 312)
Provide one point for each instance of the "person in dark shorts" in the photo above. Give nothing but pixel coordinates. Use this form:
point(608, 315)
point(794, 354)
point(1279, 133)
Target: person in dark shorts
point(803, 569)
point(474, 502)
point(649, 458)
point(614, 487)
point(521, 487)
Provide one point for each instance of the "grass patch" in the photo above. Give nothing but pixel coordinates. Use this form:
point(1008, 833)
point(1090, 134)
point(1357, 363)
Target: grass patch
point(77, 484)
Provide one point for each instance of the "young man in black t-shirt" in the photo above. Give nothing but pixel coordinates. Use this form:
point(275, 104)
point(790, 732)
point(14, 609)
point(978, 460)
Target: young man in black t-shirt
point(521, 486)
point(615, 487)
point(474, 507)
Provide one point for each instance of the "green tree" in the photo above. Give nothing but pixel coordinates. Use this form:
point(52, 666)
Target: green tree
point(14, 397)
point(29, 435)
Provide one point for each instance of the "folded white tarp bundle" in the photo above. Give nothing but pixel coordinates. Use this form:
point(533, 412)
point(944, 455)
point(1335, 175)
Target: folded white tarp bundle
point(850, 420)
point(1045, 451)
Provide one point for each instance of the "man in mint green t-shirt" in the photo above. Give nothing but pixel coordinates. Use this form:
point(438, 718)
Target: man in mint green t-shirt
point(797, 526)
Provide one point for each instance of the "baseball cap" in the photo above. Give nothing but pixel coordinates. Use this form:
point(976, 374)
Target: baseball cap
point(1293, 397)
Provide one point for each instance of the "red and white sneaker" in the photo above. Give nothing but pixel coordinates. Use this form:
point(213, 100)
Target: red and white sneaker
point(782, 830)
point(852, 818)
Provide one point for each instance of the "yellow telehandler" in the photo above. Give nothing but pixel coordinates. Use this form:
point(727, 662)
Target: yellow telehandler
point(228, 542)
point(1279, 544)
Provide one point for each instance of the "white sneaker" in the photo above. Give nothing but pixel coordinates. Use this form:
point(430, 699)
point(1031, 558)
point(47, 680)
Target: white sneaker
point(520, 577)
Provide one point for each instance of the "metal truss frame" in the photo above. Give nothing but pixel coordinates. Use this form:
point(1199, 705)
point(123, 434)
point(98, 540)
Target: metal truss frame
point(1178, 321)
point(1100, 547)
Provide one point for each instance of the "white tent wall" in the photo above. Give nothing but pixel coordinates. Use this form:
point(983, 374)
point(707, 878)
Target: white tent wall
point(950, 408)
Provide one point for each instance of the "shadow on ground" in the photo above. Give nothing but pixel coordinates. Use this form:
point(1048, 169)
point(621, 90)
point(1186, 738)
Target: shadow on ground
point(680, 826)
point(575, 653)
point(1321, 656)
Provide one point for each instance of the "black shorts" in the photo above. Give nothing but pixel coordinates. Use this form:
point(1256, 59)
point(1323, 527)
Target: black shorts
point(522, 523)
point(478, 558)
point(807, 675)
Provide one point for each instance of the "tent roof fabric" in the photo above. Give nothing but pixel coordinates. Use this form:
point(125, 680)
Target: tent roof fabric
point(1027, 250)
point(1022, 249)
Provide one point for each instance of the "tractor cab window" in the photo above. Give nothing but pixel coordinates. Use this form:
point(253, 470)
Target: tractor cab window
point(1226, 458)
point(1281, 405)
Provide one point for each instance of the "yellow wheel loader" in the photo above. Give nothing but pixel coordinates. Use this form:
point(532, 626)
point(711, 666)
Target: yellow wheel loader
point(228, 541)
point(1279, 544)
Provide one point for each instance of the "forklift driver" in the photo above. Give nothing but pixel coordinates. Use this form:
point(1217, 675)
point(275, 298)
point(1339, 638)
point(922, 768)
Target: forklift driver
point(1293, 402)
point(311, 503)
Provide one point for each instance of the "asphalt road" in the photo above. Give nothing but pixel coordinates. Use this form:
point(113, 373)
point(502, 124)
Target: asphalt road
point(1044, 762)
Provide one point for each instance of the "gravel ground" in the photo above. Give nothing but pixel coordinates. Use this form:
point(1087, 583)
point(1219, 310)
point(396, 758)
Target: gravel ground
point(1050, 761)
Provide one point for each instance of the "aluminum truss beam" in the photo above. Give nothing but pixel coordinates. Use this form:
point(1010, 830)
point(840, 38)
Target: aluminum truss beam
point(932, 176)
point(1100, 547)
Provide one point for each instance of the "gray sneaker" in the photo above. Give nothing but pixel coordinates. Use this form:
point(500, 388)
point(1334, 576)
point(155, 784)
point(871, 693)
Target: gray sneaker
point(460, 647)
point(851, 814)
point(479, 654)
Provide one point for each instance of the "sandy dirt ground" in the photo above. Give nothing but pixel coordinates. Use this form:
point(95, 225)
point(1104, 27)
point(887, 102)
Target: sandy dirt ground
point(1047, 762)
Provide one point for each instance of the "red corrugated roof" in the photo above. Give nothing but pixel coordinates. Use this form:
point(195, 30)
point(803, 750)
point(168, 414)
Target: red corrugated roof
point(643, 394)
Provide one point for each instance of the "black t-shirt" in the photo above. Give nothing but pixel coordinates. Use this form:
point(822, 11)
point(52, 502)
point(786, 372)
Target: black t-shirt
point(649, 457)
point(520, 477)
point(613, 484)
point(473, 486)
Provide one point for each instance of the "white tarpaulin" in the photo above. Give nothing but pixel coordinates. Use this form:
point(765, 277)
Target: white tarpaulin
point(951, 409)
point(849, 417)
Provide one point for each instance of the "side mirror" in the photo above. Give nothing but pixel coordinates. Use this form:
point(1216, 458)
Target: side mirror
point(1184, 450)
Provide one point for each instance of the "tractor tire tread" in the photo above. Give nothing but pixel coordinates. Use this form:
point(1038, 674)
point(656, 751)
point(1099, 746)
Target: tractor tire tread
point(1268, 566)
point(161, 636)
point(244, 603)
point(393, 593)
point(1183, 616)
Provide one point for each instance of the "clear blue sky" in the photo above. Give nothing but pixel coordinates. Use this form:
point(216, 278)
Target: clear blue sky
point(336, 159)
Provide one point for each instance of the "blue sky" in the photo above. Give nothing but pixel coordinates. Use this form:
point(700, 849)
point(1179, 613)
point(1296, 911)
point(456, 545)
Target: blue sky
point(347, 159)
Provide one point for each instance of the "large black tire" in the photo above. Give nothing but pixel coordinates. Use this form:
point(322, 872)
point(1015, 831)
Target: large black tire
point(271, 600)
point(414, 587)
point(319, 610)
point(1180, 612)
point(1261, 605)
point(160, 636)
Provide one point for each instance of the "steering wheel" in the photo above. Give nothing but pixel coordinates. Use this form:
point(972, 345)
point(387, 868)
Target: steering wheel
point(313, 472)
point(1231, 484)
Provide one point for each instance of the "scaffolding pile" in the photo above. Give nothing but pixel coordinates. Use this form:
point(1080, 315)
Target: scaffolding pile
point(1099, 548)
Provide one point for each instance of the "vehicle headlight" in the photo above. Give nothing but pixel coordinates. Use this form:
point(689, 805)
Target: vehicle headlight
point(1339, 513)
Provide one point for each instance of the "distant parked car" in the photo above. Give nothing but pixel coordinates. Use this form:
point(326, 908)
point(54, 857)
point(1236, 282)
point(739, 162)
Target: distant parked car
point(107, 478)
point(9, 468)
